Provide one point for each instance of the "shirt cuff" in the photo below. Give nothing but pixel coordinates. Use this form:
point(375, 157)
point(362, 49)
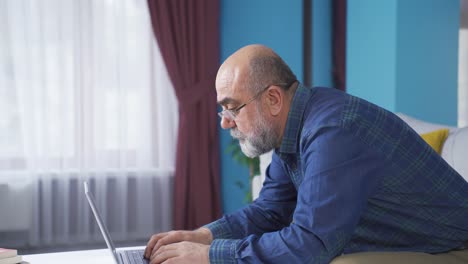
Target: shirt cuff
point(223, 251)
point(219, 229)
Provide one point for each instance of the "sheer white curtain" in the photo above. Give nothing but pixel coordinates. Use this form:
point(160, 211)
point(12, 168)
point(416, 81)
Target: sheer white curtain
point(84, 94)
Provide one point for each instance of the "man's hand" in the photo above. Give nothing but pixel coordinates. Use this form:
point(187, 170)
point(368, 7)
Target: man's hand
point(202, 236)
point(182, 252)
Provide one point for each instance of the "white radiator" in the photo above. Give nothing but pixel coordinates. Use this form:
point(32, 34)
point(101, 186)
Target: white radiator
point(133, 204)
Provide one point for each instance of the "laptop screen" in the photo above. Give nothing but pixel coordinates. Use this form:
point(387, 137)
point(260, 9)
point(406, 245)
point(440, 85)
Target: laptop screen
point(102, 226)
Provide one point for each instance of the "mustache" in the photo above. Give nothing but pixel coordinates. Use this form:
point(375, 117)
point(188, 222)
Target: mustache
point(235, 133)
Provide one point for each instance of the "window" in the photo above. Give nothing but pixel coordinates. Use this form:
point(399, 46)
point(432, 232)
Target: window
point(82, 85)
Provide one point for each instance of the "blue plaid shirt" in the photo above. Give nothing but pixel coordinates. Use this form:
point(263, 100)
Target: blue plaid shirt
point(348, 177)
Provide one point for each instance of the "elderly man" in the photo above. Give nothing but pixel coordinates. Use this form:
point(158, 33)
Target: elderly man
point(346, 176)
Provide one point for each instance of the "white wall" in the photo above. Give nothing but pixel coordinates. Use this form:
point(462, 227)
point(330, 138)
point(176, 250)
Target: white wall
point(463, 78)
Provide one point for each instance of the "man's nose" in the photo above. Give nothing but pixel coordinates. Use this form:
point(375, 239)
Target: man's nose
point(227, 123)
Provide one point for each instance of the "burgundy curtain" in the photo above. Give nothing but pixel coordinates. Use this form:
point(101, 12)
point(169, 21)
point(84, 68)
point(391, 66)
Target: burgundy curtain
point(187, 32)
point(339, 44)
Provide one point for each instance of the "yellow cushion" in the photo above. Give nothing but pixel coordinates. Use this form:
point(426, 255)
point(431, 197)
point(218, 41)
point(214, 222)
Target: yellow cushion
point(436, 139)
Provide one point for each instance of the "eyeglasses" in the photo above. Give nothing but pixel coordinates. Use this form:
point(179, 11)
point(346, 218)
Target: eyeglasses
point(231, 114)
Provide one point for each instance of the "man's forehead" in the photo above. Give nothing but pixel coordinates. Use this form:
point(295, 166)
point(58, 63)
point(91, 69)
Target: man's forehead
point(229, 86)
point(226, 95)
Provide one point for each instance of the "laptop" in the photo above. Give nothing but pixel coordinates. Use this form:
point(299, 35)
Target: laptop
point(120, 256)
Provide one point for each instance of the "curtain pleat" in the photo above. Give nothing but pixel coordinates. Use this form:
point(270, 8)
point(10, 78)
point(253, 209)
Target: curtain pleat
point(188, 36)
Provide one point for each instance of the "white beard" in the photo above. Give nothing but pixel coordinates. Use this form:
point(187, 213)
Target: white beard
point(262, 139)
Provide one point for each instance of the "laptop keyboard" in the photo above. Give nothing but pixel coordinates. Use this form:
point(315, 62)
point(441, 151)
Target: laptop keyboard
point(136, 256)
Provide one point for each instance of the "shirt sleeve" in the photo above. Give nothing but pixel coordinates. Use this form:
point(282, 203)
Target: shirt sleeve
point(338, 171)
point(271, 211)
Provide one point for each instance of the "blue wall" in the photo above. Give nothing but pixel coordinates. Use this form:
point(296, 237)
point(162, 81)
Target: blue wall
point(403, 55)
point(371, 53)
point(277, 24)
point(427, 54)
point(322, 43)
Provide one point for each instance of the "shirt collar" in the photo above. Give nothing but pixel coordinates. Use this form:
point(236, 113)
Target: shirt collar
point(293, 128)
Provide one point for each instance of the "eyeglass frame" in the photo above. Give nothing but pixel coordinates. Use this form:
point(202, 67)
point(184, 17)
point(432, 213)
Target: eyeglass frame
point(232, 113)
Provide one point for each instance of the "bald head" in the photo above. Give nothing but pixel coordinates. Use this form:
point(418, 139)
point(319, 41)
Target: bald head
point(244, 56)
point(251, 73)
point(253, 67)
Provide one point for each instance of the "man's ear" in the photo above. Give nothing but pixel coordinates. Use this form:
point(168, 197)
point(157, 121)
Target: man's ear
point(275, 100)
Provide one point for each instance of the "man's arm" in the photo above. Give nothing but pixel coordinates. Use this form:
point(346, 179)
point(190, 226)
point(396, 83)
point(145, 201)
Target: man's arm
point(338, 179)
point(271, 211)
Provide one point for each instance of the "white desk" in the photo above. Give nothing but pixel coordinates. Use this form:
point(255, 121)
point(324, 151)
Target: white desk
point(97, 256)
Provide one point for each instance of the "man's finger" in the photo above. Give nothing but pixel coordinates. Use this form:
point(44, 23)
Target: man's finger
point(170, 247)
point(174, 260)
point(163, 256)
point(170, 238)
point(164, 253)
point(151, 243)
